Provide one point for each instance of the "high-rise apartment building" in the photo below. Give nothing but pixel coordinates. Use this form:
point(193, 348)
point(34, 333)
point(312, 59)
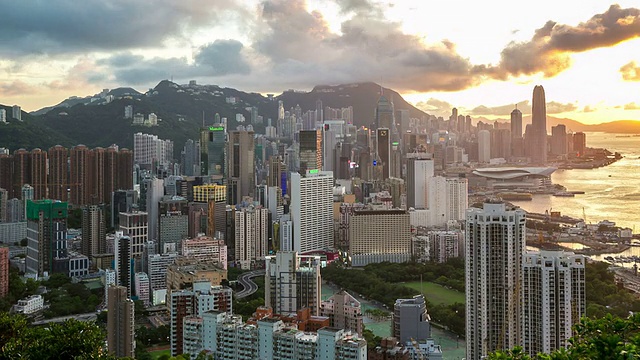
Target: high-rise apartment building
point(154, 194)
point(38, 176)
point(46, 235)
point(312, 210)
point(121, 340)
point(4, 271)
point(411, 320)
point(58, 172)
point(4, 202)
point(16, 112)
point(213, 150)
point(135, 224)
point(21, 170)
point(538, 143)
point(156, 268)
point(150, 151)
point(251, 235)
point(241, 168)
point(79, 175)
point(494, 247)
point(94, 230)
point(122, 260)
point(553, 299)
point(343, 311)
point(142, 288)
point(292, 282)
point(379, 235)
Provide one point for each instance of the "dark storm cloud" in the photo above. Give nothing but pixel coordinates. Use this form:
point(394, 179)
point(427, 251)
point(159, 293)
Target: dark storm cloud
point(219, 58)
point(548, 50)
point(630, 71)
point(67, 26)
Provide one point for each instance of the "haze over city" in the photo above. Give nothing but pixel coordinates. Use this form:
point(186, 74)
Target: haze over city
point(482, 57)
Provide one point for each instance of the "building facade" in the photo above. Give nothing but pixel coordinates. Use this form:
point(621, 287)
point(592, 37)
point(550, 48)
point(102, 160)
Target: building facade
point(312, 210)
point(292, 282)
point(121, 334)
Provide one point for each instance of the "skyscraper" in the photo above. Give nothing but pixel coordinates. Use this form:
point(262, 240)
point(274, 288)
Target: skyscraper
point(79, 175)
point(39, 173)
point(484, 146)
point(123, 268)
point(241, 170)
point(516, 123)
point(120, 323)
point(559, 144)
point(383, 147)
point(173, 223)
point(312, 210)
point(384, 114)
point(251, 235)
point(310, 150)
point(212, 150)
point(494, 246)
point(292, 282)
point(553, 299)
point(419, 170)
point(46, 235)
point(539, 126)
point(135, 224)
point(94, 239)
point(58, 170)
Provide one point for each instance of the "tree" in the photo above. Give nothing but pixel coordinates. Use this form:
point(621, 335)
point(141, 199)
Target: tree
point(69, 340)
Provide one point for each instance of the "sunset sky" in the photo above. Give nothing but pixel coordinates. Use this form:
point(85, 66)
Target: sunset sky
point(480, 56)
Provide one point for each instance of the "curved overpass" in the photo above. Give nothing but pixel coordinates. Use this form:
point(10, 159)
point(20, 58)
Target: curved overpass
point(249, 287)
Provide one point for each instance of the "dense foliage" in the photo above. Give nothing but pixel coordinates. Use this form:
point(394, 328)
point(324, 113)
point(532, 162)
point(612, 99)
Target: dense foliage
point(66, 298)
point(69, 340)
point(606, 338)
point(247, 306)
point(18, 289)
point(380, 282)
point(604, 295)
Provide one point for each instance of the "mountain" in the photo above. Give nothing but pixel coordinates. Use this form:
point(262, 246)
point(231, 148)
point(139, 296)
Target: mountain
point(617, 126)
point(97, 99)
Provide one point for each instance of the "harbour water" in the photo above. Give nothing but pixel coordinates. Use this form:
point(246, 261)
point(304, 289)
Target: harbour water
point(611, 192)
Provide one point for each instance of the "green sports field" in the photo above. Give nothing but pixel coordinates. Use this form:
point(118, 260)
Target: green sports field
point(437, 294)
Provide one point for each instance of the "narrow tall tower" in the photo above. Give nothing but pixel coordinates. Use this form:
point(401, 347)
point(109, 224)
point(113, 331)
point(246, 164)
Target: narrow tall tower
point(539, 126)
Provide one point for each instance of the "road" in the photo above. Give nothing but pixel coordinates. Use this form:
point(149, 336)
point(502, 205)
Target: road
point(249, 287)
point(79, 317)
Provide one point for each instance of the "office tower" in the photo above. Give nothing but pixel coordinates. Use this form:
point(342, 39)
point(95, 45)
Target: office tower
point(411, 320)
point(343, 311)
point(123, 268)
point(16, 112)
point(122, 201)
point(383, 152)
point(276, 169)
point(500, 143)
point(241, 171)
point(292, 282)
point(173, 223)
point(94, 231)
point(135, 224)
point(205, 248)
point(154, 193)
point(195, 301)
point(310, 150)
point(379, 235)
point(484, 146)
point(213, 151)
point(553, 296)
point(79, 175)
point(58, 170)
point(384, 114)
point(516, 123)
point(46, 235)
point(252, 235)
point(539, 126)
point(38, 176)
point(124, 169)
point(312, 210)
point(4, 271)
point(121, 334)
point(21, 170)
point(142, 288)
point(579, 143)
point(494, 245)
point(207, 192)
point(191, 158)
point(419, 170)
point(559, 145)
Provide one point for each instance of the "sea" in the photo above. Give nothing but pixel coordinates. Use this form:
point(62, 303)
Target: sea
point(611, 192)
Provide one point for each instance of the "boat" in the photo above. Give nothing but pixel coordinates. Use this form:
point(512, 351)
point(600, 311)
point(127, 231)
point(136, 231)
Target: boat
point(517, 196)
point(564, 194)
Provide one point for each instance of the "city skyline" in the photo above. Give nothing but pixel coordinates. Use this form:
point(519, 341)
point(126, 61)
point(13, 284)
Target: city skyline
point(435, 55)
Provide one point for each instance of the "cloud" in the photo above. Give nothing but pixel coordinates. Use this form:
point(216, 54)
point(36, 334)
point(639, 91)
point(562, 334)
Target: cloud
point(554, 107)
point(630, 71)
point(502, 110)
point(435, 106)
point(632, 106)
point(549, 49)
point(68, 26)
point(15, 88)
point(588, 108)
